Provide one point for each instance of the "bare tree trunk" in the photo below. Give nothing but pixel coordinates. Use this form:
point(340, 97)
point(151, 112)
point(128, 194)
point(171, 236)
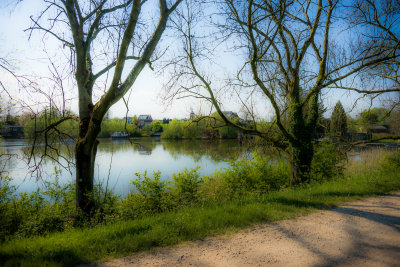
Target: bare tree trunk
point(85, 155)
point(84, 176)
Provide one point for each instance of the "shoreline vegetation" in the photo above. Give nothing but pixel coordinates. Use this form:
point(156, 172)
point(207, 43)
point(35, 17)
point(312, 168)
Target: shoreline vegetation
point(185, 129)
point(171, 129)
point(198, 127)
point(43, 227)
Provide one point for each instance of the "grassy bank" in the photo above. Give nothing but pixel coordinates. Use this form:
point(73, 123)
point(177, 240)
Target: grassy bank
point(376, 174)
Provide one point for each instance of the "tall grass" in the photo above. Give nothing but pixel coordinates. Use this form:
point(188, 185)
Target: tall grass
point(190, 207)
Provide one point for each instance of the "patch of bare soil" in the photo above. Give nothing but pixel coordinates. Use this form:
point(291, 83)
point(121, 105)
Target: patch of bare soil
point(362, 233)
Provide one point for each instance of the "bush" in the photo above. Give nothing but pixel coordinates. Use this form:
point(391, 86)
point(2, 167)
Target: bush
point(49, 210)
point(193, 130)
point(173, 130)
point(227, 132)
point(391, 161)
point(186, 185)
point(156, 127)
point(153, 195)
point(7, 225)
point(328, 162)
point(259, 174)
point(213, 189)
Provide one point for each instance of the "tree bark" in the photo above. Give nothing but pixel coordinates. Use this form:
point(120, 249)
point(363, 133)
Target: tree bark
point(301, 149)
point(85, 155)
point(301, 155)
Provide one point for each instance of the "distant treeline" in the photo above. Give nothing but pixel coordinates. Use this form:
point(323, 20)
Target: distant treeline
point(369, 120)
point(168, 129)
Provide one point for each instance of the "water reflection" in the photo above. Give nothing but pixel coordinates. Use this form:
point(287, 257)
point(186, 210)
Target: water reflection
point(118, 160)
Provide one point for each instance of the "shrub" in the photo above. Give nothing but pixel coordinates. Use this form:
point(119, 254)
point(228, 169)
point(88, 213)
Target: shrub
point(227, 132)
point(173, 130)
point(49, 210)
point(7, 226)
point(391, 161)
point(193, 130)
point(214, 189)
point(186, 185)
point(259, 174)
point(153, 195)
point(328, 162)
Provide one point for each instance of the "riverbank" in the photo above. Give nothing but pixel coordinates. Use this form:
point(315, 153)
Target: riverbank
point(103, 242)
point(361, 233)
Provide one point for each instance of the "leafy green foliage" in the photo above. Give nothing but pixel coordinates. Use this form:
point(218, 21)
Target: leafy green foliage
point(258, 174)
point(328, 162)
point(392, 161)
point(374, 115)
point(156, 127)
point(173, 130)
point(186, 185)
point(196, 129)
point(227, 132)
point(193, 130)
point(32, 127)
point(37, 213)
point(108, 126)
point(116, 125)
point(152, 195)
point(47, 210)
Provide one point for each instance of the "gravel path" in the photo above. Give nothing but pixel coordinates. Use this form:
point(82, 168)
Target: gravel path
point(362, 233)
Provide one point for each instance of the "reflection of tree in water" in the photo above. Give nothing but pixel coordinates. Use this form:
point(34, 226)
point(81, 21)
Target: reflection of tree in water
point(144, 147)
point(43, 154)
point(216, 150)
point(144, 150)
point(8, 160)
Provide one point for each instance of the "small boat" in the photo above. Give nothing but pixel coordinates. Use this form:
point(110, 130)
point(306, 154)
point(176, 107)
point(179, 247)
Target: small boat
point(118, 135)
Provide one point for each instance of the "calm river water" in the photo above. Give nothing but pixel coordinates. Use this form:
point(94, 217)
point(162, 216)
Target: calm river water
point(120, 159)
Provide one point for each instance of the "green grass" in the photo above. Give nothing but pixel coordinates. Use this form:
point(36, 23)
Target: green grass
point(80, 246)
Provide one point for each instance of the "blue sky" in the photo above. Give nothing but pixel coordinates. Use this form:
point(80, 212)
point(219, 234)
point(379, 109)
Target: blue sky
point(29, 58)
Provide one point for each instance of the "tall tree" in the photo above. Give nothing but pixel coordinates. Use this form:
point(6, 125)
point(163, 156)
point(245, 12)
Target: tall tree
point(338, 126)
point(102, 30)
point(292, 55)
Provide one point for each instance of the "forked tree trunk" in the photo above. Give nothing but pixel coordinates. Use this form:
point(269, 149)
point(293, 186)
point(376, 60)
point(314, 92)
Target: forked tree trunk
point(84, 30)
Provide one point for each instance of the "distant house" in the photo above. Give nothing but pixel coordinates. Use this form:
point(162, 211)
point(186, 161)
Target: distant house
point(378, 129)
point(144, 120)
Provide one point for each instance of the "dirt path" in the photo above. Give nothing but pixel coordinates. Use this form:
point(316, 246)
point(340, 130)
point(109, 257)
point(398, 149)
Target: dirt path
point(363, 233)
